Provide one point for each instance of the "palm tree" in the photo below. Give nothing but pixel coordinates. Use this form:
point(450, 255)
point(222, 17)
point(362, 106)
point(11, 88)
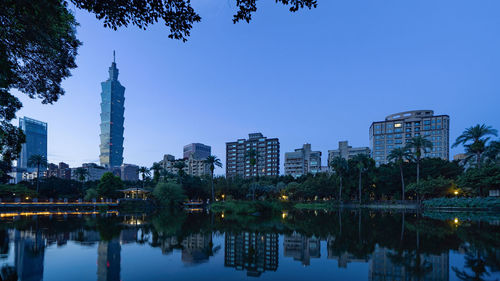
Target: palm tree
point(81, 173)
point(362, 162)
point(339, 165)
point(213, 161)
point(38, 161)
point(144, 171)
point(156, 168)
point(180, 164)
point(252, 158)
point(419, 144)
point(399, 155)
point(474, 139)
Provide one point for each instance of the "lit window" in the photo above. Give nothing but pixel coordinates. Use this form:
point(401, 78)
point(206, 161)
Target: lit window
point(398, 125)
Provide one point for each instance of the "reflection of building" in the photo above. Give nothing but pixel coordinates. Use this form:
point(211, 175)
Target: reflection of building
point(267, 156)
point(384, 267)
point(301, 248)
point(29, 255)
point(196, 248)
point(398, 128)
point(112, 109)
point(343, 258)
point(253, 252)
point(302, 161)
point(108, 260)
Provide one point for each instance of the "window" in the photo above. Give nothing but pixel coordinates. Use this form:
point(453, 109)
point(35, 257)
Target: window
point(390, 136)
point(398, 136)
point(398, 130)
point(398, 125)
point(427, 122)
point(389, 131)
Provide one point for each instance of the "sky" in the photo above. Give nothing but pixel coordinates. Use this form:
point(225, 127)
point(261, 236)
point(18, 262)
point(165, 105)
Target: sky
point(317, 76)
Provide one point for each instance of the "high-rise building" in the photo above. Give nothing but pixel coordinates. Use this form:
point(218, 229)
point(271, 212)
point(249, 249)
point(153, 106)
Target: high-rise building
point(399, 128)
point(108, 260)
point(265, 151)
point(198, 151)
point(302, 161)
point(36, 142)
point(112, 110)
point(94, 172)
point(346, 151)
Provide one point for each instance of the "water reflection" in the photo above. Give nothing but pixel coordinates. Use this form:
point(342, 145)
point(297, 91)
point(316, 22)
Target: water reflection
point(390, 246)
point(253, 252)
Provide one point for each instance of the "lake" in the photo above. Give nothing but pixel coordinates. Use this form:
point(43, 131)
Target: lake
point(308, 245)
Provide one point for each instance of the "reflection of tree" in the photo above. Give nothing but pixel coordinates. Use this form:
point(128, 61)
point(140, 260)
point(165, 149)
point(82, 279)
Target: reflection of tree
point(477, 263)
point(4, 243)
point(414, 263)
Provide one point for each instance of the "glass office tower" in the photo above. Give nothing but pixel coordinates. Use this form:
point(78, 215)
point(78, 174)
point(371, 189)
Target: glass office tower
point(36, 141)
point(112, 109)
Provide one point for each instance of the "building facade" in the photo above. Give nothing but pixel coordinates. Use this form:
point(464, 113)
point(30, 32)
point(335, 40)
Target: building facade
point(266, 154)
point(302, 161)
point(112, 119)
point(194, 167)
point(397, 129)
point(346, 151)
point(36, 142)
point(95, 172)
point(129, 172)
point(198, 151)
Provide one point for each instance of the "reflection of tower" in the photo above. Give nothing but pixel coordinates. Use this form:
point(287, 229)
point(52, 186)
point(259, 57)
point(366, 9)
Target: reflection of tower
point(301, 248)
point(253, 252)
point(29, 255)
point(196, 248)
point(383, 267)
point(108, 261)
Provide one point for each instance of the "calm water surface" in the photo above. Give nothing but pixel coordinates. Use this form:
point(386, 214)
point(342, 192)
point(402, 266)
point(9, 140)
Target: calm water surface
point(347, 245)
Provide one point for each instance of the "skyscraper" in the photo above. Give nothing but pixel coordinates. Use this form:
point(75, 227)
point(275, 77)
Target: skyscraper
point(36, 141)
point(399, 128)
point(112, 109)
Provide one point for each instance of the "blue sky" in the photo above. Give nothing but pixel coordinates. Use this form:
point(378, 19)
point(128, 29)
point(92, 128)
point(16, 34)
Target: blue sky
point(317, 76)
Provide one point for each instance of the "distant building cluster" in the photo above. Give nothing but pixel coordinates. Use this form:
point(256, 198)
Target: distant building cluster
point(256, 156)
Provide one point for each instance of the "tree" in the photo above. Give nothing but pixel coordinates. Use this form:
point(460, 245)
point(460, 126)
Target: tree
point(431, 187)
point(156, 168)
point(38, 161)
point(339, 165)
point(145, 173)
point(169, 194)
point(109, 185)
point(492, 152)
point(81, 173)
point(180, 164)
point(475, 139)
point(419, 144)
point(362, 163)
point(481, 179)
point(213, 161)
point(399, 155)
point(251, 155)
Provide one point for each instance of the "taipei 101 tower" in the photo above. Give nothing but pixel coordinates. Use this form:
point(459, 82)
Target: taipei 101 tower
point(112, 109)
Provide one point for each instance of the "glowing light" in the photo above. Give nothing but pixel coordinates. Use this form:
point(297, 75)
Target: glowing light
point(222, 215)
point(455, 192)
point(284, 215)
point(455, 220)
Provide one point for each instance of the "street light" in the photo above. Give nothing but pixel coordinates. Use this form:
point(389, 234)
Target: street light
point(455, 192)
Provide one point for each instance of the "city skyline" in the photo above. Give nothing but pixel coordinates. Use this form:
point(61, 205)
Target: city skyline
point(346, 80)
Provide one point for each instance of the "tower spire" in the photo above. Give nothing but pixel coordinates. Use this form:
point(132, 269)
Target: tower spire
point(114, 57)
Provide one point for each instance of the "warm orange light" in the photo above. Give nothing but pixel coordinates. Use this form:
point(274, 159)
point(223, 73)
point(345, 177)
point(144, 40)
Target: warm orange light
point(455, 192)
